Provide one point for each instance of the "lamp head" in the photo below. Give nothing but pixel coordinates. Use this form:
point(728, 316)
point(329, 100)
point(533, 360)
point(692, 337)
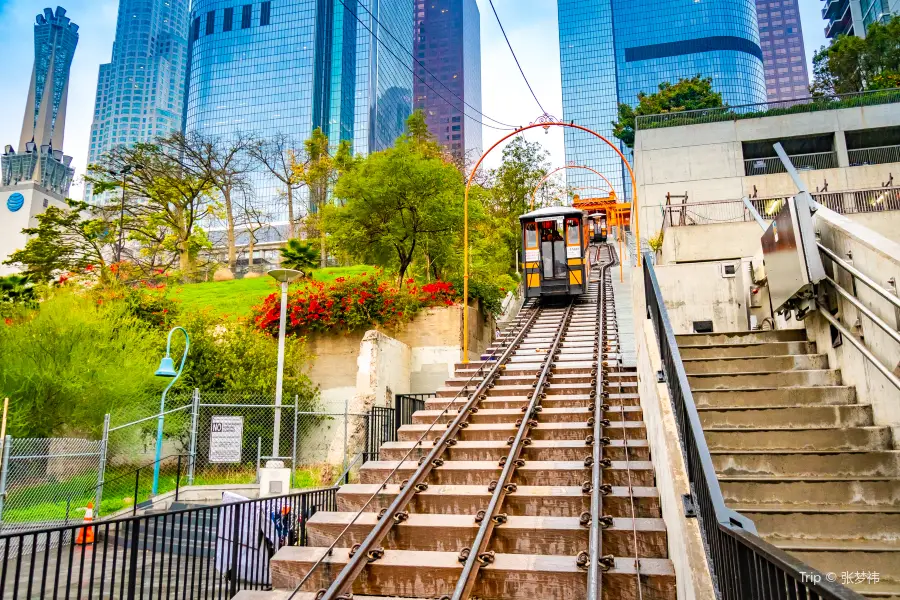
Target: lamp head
point(166, 368)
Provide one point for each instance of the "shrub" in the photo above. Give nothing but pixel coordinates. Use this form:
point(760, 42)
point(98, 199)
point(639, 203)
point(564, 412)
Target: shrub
point(351, 304)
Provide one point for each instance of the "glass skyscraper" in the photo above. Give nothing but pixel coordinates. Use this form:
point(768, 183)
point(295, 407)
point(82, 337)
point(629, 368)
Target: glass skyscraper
point(38, 156)
point(781, 37)
point(284, 67)
point(448, 72)
point(612, 49)
point(140, 92)
point(853, 17)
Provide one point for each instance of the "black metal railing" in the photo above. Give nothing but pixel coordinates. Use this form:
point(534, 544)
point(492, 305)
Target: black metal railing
point(406, 404)
point(379, 429)
point(196, 554)
point(743, 565)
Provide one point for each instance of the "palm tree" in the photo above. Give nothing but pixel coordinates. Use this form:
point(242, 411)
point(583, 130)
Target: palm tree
point(299, 255)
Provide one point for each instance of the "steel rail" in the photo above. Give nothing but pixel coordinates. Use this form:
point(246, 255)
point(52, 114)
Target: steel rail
point(893, 379)
point(893, 333)
point(595, 546)
point(860, 275)
point(477, 556)
point(364, 553)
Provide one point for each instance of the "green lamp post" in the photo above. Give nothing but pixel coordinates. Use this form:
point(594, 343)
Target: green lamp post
point(167, 369)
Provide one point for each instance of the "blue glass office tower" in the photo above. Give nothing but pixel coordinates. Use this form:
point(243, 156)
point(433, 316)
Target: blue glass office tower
point(448, 72)
point(39, 156)
point(140, 92)
point(853, 17)
point(612, 49)
point(284, 67)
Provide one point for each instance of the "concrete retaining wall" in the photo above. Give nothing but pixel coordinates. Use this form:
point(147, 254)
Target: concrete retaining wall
point(686, 550)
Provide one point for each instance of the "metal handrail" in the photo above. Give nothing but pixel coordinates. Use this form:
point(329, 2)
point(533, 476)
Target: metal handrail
point(893, 333)
point(871, 283)
point(862, 348)
point(742, 564)
point(356, 563)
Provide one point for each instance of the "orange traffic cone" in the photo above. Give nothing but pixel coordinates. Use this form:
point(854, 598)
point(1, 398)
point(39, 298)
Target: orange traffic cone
point(85, 535)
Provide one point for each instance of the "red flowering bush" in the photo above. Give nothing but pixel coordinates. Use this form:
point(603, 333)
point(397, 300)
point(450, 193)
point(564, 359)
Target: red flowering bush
point(350, 304)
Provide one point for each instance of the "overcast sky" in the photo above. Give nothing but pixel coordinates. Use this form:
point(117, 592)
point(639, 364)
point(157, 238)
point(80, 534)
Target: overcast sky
point(530, 24)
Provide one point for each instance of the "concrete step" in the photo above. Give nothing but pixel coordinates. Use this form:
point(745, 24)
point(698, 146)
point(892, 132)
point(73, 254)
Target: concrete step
point(519, 535)
point(544, 431)
point(797, 438)
point(843, 558)
point(534, 501)
point(511, 576)
point(873, 492)
point(760, 364)
point(547, 450)
point(808, 464)
point(793, 396)
point(551, 473)
point(842, 525)
point(734, 381)
point(554, 401)
point(747, 350)
point(740, 337)
point(850, 415)
point(547, 415)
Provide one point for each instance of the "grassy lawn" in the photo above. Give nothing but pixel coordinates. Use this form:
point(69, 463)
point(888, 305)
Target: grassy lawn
point(237, 297)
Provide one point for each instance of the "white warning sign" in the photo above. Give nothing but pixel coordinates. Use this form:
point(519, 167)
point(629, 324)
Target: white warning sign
point(225, 439)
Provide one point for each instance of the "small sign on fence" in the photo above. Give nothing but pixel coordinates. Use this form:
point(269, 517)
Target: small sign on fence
point(226, 439)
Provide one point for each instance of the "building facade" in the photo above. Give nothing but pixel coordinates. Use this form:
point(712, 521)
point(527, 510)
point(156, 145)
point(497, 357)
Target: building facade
point(36, 174)
point(612, 49)
point(448, 72)
point(283, 68)
point(140, 92)
point(853, 17)
point(784, 57)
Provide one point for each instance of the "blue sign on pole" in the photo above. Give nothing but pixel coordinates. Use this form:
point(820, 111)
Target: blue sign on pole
point(15, 202)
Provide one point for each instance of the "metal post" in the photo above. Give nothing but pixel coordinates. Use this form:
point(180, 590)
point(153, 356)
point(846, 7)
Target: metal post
point(4, 472)
point(177, 478)
point(294, 449)
point(137, 481)
point(346, 427)
point(279, 377)
point(101, 468)
point(258, 454)
point(195, 423)
point(235, 546)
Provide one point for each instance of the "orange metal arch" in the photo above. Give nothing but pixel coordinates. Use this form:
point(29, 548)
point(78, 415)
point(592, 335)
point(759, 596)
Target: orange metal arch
point(557, 170)
point(546, 125)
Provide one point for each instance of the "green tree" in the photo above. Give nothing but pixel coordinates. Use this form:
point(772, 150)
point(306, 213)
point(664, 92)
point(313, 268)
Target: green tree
point(67, 240)
point(320, 172)
point(170, 194)
point(852, 64)
point(398, 202)
point(74, 360)
point(524, 165)
point(688, 94)
point(299, 255)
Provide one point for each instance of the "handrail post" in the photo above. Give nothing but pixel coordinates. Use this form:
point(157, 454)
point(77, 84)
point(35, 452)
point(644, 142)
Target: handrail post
point(195, 423)
point(101, 467)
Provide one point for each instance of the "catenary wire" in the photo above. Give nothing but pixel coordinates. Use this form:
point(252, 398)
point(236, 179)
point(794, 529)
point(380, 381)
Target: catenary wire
point(413, 71)
point(516, 58)
point(421, 64)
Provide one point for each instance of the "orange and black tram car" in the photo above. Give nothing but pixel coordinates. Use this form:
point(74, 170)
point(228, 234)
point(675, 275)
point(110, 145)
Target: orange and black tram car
point(599, 227)
point(556, 259)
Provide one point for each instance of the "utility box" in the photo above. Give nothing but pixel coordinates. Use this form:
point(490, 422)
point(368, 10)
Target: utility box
point(274, 479)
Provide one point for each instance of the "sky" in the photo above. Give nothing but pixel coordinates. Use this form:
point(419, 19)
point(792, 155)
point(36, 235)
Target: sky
point(530, 24)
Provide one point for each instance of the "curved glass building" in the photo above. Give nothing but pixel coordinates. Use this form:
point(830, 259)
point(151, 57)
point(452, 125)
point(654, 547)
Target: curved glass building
point(283, 67)
point(612, 49)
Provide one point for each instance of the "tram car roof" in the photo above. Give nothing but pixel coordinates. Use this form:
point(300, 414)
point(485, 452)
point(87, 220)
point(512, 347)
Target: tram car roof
point(552, 211)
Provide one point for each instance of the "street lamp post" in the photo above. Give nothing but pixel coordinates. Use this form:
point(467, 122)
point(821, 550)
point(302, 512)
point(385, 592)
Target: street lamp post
point(124, 173)
point(167, 369)
point(284, 276)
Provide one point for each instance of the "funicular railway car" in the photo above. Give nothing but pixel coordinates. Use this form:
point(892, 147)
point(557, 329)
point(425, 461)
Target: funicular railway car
point(556, 257)
point(599, 226)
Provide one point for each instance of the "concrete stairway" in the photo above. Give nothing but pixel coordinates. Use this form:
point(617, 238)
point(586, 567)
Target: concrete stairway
point(537, 547)
point(798, 454)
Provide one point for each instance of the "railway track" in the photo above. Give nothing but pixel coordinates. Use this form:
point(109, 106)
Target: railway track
point(527, 477)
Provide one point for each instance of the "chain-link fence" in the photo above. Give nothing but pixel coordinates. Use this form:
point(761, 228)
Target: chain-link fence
point(209, 439)
point(44, 480)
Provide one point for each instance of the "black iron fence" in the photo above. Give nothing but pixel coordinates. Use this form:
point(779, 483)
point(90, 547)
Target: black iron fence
point(405, 405)
point(194, 553)
point(383, 422)
point(743, 564)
